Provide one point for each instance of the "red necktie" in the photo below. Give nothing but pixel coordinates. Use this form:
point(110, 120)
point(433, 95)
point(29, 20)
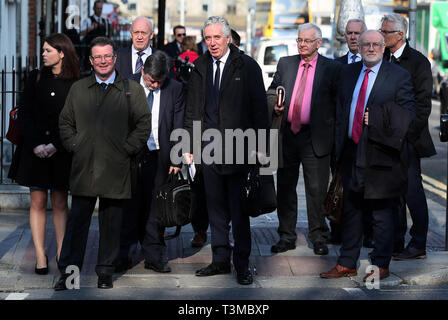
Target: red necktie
point(295, 120)
point(359, 111)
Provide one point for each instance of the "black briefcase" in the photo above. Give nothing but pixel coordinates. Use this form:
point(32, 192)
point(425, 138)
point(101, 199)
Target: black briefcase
point(174, 203)
point(258, 193)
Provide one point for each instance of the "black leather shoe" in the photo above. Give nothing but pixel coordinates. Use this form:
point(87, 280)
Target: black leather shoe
point(105, 282)
point(60, 285)
point(158, 267)
point(320, 249)
point(283, 246)
point(213, 269)
point(410, 253)
point(244, 278)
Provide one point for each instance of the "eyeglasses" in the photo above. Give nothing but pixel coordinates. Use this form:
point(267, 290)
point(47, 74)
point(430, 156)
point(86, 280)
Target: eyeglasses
point(388, 32)
point(375, 45)
point(107, 58)
point(141, 33)
point(181, 35)
point(306, 41)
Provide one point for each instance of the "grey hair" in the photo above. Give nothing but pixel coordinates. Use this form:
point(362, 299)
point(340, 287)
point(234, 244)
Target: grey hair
point(310, 25)
point(218, 20)
point(382, 37)
point(399, 21)
point(143, 18)
point(364, 26)
point(157, 65)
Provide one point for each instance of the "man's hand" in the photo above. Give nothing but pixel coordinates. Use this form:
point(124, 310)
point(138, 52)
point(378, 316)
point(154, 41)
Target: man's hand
point(40, 151)
point(366, 117)
point(175, 169)
point(188, 158)
point(278, 109)
point(51, 150)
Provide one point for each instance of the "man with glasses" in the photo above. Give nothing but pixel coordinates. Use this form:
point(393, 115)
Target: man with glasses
point(102, 130)
point(173, 48)
point(374, 108)
point(131, 59)
point(166, 103)
point(420, 145)
point(306, 137)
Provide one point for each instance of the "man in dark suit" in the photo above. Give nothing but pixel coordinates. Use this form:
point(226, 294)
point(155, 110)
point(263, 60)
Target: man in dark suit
point(166, 102)
point(130, 60)
point(307, 131)
point(373, 173)
point(420, 145)
point(173, 47)
point(225, 92)
point(353, 30)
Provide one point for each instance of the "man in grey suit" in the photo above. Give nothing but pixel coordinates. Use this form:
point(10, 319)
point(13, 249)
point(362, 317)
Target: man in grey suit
point(306, 136)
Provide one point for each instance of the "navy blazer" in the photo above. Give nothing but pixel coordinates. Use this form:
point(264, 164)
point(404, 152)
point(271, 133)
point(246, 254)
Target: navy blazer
point(124, 61)
point(343, 59)
point(386, 174)
point(171, 117)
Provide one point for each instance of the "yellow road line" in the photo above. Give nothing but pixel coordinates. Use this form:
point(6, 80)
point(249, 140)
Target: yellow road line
point(434, 182)
point(434, 190)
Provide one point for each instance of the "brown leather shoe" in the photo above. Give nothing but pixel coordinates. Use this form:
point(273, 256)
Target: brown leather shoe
point(338, 272)
point(384, 273)
point(199, 239)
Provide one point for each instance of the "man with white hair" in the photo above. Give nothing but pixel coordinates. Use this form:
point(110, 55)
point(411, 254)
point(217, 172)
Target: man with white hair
point(131, 59)
point(306, 136)
point(420, 145)
point(375, 105)
point(353, 30)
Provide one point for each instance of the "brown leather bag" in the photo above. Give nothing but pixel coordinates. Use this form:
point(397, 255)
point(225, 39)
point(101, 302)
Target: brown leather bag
point(333, 202)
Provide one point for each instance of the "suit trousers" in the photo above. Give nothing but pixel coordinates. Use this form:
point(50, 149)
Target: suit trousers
point(298, 149)
point(136, 210)
point(77, 231)
point(224, 205)
point(199, 218)
point(415, 199)
point(382, 212)
point(153, 245)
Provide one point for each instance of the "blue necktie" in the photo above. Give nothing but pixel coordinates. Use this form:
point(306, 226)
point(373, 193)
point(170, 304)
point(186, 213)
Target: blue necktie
point(139, 64)
point(103, 86)
point(354, 58)
point(151, 142)
point(217, 77)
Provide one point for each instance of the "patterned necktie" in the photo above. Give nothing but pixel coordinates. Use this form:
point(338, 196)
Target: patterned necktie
point(103, 86)
point(359, 111)
point(217, 77)
point(139, 64)
point(295, 121)
point(151, 141)
point(354, 58)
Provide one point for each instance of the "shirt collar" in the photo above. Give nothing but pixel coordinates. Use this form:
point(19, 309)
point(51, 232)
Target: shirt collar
point(108, 81)
point(223, 58)
point(147, 51)
point(312, 62)
point(350, 55)
point(399, 52)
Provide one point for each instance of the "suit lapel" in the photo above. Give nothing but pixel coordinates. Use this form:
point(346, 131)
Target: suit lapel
point(381, 79)
point(352, 78)
point(318, 74)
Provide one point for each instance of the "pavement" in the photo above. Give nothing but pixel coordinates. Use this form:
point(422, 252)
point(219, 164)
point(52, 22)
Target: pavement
point(297, 268)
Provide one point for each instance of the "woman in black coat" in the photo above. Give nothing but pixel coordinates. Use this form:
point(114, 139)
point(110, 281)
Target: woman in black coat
point(40, 161)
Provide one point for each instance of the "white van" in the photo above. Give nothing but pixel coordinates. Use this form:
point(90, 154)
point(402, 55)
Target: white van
point(269, 51)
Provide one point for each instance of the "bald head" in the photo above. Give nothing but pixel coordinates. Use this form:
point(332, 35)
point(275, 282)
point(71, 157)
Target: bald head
point(141, 33)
